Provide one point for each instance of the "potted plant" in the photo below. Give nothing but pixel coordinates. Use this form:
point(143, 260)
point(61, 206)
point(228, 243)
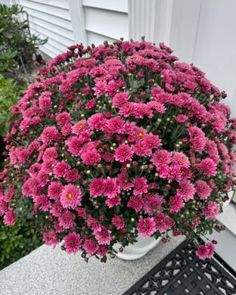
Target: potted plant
point(117, 142)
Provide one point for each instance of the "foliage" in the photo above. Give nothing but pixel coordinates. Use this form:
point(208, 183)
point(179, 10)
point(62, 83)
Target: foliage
point(18, 240)
point(117, 141)
point(15, 39)
point(10, 92)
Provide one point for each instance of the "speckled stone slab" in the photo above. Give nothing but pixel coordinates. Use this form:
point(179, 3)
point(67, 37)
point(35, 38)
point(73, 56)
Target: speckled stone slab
point(48, 271)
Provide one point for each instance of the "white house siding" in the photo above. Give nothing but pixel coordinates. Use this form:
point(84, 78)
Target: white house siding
point(105, 20)
point(201, 32)
point(52, 19)
point(65, 22)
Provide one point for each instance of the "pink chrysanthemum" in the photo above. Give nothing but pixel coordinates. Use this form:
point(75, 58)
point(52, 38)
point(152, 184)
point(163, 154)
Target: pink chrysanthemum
point(50, 153)
point(50, 238)
point(120, 99)
point(103, 236)
point(123, 153)
point(9, 217)
point(202, 189)
point(136, 202)
point(211, 210)
point(176, 203)
point(111, 188)
point(55, 190)
point(161, 157)
point(49, 134)
point(146, 226)
point(61, 169)
point(71, 196)
point(79, 127)
point(74, 145)
point(140, 186)
point(63, 118)
point(113, 201)
point(124, 182)
point(205, 251)
point(179, 158)
point(118, 222)
point(208, 167)
point(66, 219)
point(163, 222)
point(91, 157)
point(72, 243)
point(186, 190)
point(97, 187)
point(90, 246)
point(45, 102)
point(152, 203)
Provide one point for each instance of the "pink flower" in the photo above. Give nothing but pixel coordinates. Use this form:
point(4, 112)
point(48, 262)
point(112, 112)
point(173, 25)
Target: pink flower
point(176, 203)
point(50, 153)
point(91, 104)
point(111, 187)
point(3, 206)
point(152, 203)
point(71, 196)
point(151, 141)
point(97, 121)
point(97, 187)
point(55, 190)
point(136, 202)
point(9, 217)
point(120, 99)
point(205, 251)
point(186, 190)
point(146, 226)
point(74, 145)
point(103, 236)
point(123, 153)
point(202, 189)
point(141, 149)
point(211, 210)
point(118, 222)
point(50, 238)
point(208, 167)
point(116, 125)
point(90, 246)
point(61, 169)
point(179, 158)
point(79, 127)
point(91, 157)
point(140, 186)
point(42, 202)
point(63, 119)
point(161, 157)
point(45, 102)
point(72, 175)
point(49, 134)
point(163, 222)
point(181, 118)
point(113, 201)
point(66, 219)
point(123, 181)
point(72, 243)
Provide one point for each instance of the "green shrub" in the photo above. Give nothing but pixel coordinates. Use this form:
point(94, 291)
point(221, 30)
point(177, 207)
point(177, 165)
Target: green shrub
point(15, 39)
point(18, 240)
point(10, 92)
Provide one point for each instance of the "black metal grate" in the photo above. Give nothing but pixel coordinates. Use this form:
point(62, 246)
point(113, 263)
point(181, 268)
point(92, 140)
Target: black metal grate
point(182, 273)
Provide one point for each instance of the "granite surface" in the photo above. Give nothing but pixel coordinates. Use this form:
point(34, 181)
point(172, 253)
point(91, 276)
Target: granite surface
point(48, 271)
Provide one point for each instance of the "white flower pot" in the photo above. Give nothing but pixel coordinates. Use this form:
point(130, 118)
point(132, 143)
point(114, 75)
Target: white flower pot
point(138, 249)
point(230, 194)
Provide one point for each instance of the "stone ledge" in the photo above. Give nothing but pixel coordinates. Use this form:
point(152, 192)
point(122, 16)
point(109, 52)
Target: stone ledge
point(47, 271)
